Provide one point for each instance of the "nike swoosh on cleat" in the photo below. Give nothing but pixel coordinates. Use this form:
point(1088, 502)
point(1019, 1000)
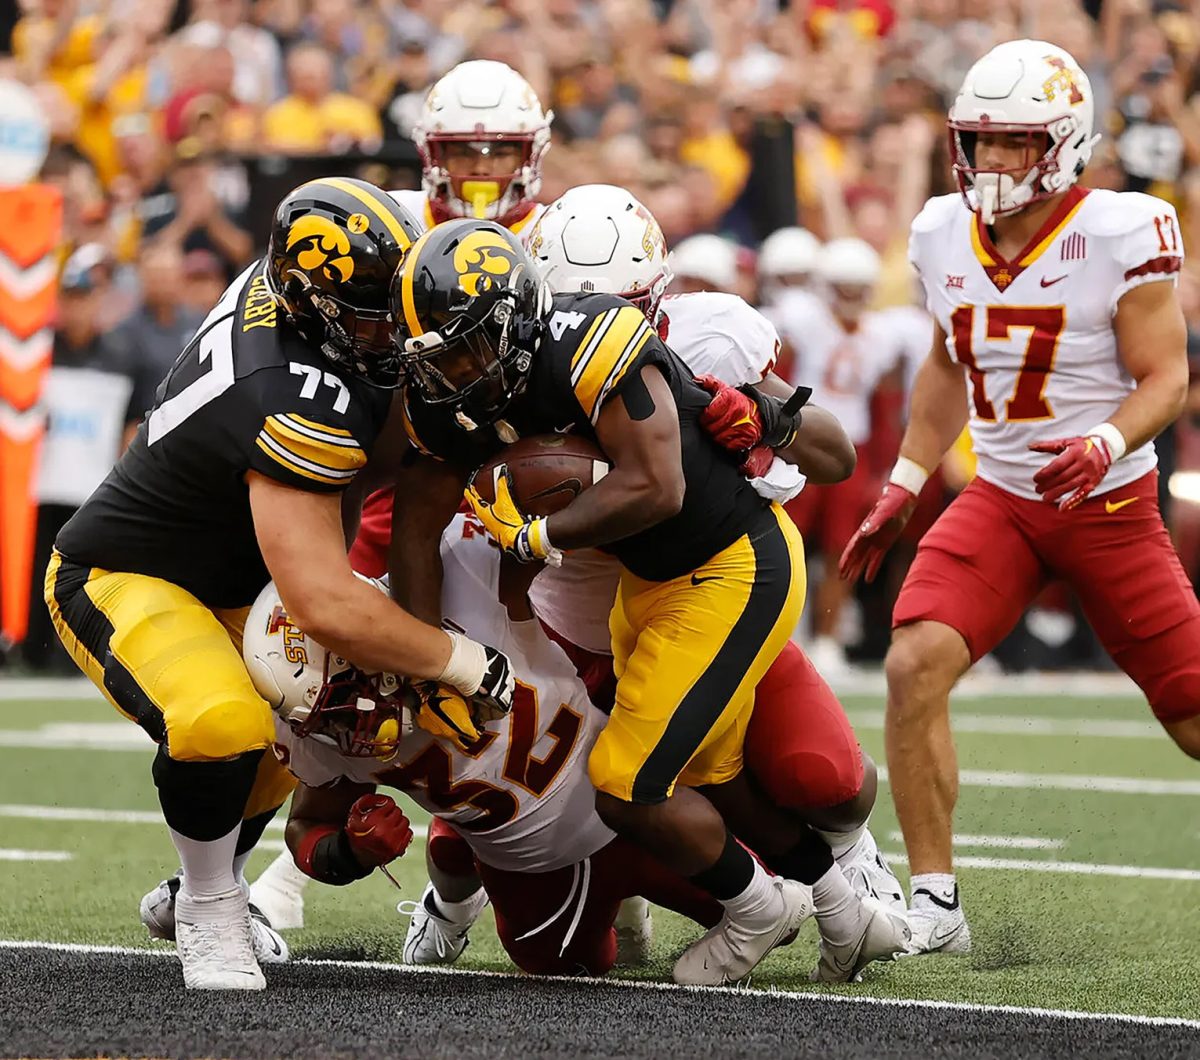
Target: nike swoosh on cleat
point(940, 902)
point(1051, 283)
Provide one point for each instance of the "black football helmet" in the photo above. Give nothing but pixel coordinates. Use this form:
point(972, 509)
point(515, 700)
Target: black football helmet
point(335, 245)
point(469, 309)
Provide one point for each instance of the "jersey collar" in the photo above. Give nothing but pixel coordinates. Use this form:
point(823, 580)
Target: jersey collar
point(1000, 270)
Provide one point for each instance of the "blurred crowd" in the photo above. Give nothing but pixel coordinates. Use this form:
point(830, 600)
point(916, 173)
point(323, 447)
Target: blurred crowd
point(726, 117)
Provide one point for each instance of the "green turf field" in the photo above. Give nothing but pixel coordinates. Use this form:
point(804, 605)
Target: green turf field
point(1112, 928)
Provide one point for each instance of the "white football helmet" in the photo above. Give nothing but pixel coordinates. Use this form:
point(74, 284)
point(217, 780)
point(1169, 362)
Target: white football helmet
point(482, 103)
point(598, 237)
point(1030, 87)
point(788, 252)
point(848, 263)
point(319, 694)
point(707, 258)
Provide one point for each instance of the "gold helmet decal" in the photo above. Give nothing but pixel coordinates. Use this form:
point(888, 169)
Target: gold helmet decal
point(653, 236)
point(1062, 80)
point(328, 247)
point(480, 258)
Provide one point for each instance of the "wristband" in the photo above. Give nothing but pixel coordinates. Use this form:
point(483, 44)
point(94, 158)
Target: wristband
point(539, 543)
point(467, 665)
point(909, 475)
point(1112, 437)
point(326, 855)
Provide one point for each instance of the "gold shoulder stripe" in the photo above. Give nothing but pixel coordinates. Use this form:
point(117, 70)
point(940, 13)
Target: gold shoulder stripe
point(614, 350)
point(324, 428)
point(374, 205)
point(317, 431)
point(326, 457)
point(587, 344)
point(297, 467)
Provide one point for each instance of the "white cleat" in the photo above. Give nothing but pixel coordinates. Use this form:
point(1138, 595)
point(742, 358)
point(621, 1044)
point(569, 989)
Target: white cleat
point(635, 932)
point(869, 873)
point(885, 935)
point(731, 950)
point(938, 925)
point(279, 893)
point(215, 943)
point(157, 912)
point(433, 937)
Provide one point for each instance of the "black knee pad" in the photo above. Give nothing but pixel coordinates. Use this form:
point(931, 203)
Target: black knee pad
point(252, 831)
point(205, 800)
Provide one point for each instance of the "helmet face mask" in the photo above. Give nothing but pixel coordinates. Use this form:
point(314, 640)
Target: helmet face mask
point(470, 183)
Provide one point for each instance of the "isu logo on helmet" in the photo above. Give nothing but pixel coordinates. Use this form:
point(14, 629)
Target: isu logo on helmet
point(1062, 80)
point(652, 238)
point(293, 639)
point(481, 258)
point(328, 247)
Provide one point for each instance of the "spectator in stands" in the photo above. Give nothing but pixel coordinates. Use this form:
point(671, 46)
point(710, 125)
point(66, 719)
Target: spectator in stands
point(313, 118)
point(204, 281)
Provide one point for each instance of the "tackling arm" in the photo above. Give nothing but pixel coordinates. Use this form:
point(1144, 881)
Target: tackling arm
point(821, 449)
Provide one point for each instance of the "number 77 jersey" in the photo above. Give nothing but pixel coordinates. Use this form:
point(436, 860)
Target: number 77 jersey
point(1035, 333)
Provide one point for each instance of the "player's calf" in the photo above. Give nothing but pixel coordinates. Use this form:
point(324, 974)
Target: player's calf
point(1186, 735)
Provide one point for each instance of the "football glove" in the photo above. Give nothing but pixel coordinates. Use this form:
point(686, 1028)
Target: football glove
point(741, 418)
point(450, 715)
point(1079, 466)
point(522, 537)
point(377, 830)
point(878, 532)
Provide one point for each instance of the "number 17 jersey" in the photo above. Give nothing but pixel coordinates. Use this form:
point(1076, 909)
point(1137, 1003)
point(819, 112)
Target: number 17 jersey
point(1035, 334)
point(246, 394)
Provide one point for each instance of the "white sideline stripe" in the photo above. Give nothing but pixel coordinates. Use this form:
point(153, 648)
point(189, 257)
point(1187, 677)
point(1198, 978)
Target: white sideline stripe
point(1017, 725)
point(1070, 868)
point(85, 813)
point(637, 984)
point(1011, 842)
point(981, 778)
point(8, 854)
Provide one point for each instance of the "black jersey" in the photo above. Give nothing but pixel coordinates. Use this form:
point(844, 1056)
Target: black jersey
point(246, 394)
point(595, 346)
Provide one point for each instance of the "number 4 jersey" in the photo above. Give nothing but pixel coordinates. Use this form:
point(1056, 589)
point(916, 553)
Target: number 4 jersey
point(521, 795)
point(1035, 333)
point(247, 394)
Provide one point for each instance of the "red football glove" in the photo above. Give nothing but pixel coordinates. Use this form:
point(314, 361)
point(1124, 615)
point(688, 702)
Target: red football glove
point(1079, 466)
point(758, 461)
point(732, 418)
point(878, 532)
point(377, 830)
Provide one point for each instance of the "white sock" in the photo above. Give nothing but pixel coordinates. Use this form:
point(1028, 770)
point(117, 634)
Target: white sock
point(458, 912)
point(839, 910)
point(284, 872)
point(841, 843)
point(239, 867)
point(207, 864)
point(759, 901)
point(939, 884)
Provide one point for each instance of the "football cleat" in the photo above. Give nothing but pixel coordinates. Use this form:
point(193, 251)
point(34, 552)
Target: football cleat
point(728, 952)
point(885, 934)
point(635, 931)
point(869, 873)
point(157, 911)
point(938, 925)
point(433, 937)
point(215, 942)
point(279, 893)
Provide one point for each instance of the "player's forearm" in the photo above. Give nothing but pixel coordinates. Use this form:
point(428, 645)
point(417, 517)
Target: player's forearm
point(621, 504)
point(937, 414)
point(1156, 403)
point(822, 449)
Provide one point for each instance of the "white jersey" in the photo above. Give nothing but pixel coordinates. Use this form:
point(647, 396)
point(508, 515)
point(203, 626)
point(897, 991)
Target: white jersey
point(843, 367)
point(713, 334)
point(1035, 334)
point(416, 202)
point(523, 801)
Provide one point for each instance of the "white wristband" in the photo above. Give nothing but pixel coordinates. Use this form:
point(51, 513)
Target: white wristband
point(909, 475)
point(1113, 438)
point(466, 666)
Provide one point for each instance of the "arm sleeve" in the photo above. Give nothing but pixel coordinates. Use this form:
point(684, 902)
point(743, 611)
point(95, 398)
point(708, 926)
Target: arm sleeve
point(1150, 249)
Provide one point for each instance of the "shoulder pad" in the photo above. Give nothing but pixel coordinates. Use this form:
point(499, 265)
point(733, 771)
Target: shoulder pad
point(936, 212)
point(1116, 213)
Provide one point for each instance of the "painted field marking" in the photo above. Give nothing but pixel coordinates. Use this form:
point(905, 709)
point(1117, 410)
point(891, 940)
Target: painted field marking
point(1010, 842)
point(7, 854)
point(520, 979)
point(1069, 868)
point(1018, 725)
point(982, 778)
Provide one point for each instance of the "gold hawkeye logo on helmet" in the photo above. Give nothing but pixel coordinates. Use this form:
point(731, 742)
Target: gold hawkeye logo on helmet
point(479, 259)
point(328, 247)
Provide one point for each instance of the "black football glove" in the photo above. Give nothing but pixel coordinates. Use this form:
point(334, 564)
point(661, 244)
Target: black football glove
point(780, 419)
point(495, 695)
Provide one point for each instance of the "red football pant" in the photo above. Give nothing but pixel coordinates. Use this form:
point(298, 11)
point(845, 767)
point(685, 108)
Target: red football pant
point(827, 516)
point(592, 890)
point(368, 554)
point(990, 554)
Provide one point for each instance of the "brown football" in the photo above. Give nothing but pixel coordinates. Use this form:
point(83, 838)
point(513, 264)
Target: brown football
point(548, 471)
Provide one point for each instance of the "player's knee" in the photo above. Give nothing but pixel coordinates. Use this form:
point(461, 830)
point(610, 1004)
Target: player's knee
point(922, 664)
point(223, 727)
point(813, 779)
point(1176, 703)
point(448, 852)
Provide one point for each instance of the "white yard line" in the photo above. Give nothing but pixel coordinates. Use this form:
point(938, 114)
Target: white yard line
point(636, 984)
point(1010, 842)
point(1017, 725)
point(1068, 868)
point(7, 854)
point(982, 778)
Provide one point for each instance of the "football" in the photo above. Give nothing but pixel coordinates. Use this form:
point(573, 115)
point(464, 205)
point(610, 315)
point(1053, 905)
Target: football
point(548, 471)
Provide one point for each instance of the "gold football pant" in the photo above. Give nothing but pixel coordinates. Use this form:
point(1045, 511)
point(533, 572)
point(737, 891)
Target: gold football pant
point(687, 654)
point(172, 665)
